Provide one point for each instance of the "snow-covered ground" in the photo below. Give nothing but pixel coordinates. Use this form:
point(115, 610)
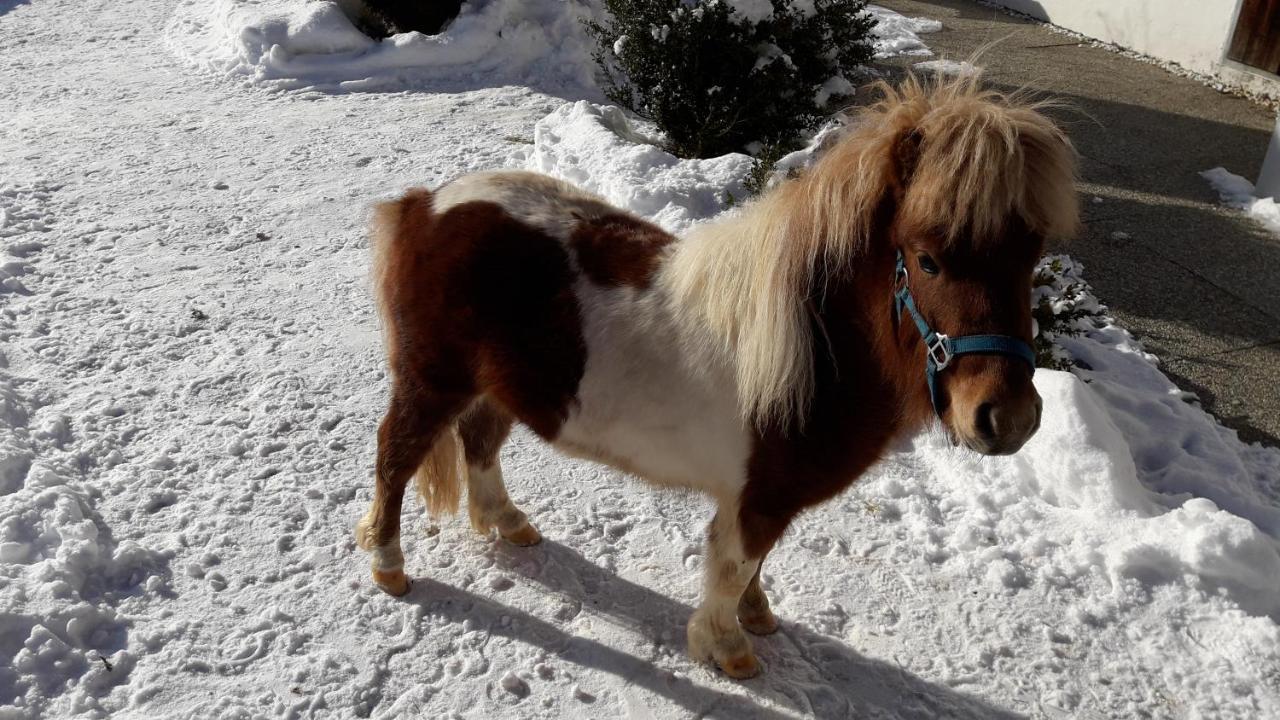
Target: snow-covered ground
point(191, 378)
point(294, 44)
point(1237, 192)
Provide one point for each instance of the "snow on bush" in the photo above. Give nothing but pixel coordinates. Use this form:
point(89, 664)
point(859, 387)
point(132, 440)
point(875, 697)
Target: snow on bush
point(1062, 305)
point(1237, 192)
point(718, 76)
point(289, 44)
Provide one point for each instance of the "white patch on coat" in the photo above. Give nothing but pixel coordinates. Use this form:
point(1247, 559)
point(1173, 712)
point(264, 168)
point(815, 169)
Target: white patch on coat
point(488, 503)
point(652, 401)
point(644, 407)
point(550, 205)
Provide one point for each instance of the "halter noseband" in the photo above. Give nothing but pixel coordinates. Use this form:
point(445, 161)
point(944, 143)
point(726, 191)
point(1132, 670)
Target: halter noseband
point(940, 349)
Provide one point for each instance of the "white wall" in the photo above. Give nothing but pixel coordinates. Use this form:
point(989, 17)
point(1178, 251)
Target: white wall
point(1192, 33)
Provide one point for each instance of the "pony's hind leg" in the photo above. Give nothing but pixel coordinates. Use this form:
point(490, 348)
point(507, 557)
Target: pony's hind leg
point(753, 608)
point(714, 633)
point(484, 427)
point(413, 423)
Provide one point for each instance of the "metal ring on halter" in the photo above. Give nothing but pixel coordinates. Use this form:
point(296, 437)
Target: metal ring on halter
point(939, 352)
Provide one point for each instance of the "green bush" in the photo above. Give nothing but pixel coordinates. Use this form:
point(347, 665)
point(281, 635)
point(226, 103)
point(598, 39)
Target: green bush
point(1062, 305)
point(716, 82)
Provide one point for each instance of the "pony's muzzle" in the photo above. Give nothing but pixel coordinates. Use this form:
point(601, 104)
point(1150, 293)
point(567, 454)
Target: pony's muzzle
point(1002, 427)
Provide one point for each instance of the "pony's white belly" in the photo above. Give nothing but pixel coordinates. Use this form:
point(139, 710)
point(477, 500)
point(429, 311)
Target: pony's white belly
point(643, 410)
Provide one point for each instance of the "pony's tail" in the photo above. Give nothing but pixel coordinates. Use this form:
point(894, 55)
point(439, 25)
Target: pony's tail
point(442, 473)
point(401, 227)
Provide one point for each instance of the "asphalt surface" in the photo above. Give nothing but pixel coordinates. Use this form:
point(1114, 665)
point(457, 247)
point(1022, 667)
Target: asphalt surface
point(1197, 282)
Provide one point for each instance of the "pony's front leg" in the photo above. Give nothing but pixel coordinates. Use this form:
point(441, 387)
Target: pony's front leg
point(714, 633)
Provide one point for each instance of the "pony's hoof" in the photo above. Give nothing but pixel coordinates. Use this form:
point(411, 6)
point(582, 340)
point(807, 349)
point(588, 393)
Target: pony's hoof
point(732, 652)
point(765, 623)
point(392, 582)
point(524, 536)
point(740, 667)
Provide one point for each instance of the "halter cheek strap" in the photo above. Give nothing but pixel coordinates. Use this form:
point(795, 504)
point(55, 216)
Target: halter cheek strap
point(940, 349)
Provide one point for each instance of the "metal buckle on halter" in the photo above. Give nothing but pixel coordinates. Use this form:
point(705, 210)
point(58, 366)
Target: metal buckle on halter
point(938, 351)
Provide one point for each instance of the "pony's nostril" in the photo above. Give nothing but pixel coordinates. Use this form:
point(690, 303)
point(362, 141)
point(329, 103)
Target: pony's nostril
point(985, 422)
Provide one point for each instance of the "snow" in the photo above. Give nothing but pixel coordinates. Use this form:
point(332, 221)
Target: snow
point(833, 86)
point(770, 53)
point(191, 379)
point(598, 148)
point(283, 44)
point(1237, 192)
point(900, 35)
point(948, 67)
point(288, 44)
point(752, 10)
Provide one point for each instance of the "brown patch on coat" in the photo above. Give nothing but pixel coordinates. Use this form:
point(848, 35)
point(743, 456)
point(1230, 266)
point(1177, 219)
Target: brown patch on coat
point(476, 302)
point(418, 411)
point(484, 427)
point(618, 249)
point(856, 411)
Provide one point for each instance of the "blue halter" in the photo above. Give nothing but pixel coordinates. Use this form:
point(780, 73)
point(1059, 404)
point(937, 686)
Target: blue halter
point(940, 349)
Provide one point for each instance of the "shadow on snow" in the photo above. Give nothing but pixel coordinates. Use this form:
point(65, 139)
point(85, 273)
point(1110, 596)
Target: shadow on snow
point(804, 671)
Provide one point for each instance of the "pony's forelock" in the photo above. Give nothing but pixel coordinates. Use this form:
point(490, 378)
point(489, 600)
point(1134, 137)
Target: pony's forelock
point(965, 162)
point(984, 159)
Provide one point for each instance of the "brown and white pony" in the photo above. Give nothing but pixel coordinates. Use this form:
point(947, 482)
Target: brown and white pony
point(759, 359)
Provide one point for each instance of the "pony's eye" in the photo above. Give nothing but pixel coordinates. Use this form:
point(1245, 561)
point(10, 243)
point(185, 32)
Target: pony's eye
point(927, 264)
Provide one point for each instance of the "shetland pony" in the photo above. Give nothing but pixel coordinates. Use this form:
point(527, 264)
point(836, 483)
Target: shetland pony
point(759, 359)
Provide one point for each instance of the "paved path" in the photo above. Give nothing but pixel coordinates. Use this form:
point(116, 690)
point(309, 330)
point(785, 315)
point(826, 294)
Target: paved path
point(1200, 284)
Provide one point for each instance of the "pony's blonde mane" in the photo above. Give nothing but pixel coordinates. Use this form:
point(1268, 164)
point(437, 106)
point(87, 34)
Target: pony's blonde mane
point(965, 162)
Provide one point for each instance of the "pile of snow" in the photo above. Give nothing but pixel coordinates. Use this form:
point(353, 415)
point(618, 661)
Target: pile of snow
point(291, 44)
point(1132, 479)
point(1180, 451)
point(599, 148)
point(900, 35)
point(1238, 193)
point(288, 44)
